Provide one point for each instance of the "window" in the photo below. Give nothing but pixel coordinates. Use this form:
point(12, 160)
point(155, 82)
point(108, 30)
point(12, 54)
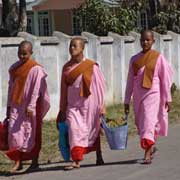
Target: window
point(76, 24)
point(30, 23)
point(44, 23)
point(144, 20)
point(79, 25)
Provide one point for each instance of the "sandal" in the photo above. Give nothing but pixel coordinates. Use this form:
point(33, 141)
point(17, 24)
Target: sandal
point(146, 161)
point(33, 168)
point(71, 167)
point(99, 162)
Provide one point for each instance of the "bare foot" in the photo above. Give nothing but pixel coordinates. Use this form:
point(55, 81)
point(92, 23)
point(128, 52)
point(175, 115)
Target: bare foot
point(18, 166)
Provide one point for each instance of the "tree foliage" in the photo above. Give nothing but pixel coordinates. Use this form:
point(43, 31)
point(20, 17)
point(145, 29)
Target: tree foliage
point(99, 18)
point(167, 19)
point(121, 17)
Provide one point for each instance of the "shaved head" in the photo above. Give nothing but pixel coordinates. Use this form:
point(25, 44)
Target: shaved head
point(26, 44)
point(80, 40)
point(25, 51)
point(147, 31)
point(147, 40)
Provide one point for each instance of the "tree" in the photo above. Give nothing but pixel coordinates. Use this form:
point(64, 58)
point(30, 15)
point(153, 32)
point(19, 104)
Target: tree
point(121, 16)
point(14, 18)
point(168, 18)
point(99, 18)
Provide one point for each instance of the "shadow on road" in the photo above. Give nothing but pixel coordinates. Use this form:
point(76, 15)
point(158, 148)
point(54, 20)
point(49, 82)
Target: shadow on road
point(51, 167)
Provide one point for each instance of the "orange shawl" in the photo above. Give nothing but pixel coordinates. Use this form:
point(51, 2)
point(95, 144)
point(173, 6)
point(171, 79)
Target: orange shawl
point(149, 60)
point(86, 69)
point(19, 76)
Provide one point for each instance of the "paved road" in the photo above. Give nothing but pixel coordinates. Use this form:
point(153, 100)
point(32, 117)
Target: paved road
point(120, 165)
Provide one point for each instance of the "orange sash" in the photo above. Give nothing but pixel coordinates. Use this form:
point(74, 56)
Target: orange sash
point(149, 60)
point(19, 75)
point(86, 69)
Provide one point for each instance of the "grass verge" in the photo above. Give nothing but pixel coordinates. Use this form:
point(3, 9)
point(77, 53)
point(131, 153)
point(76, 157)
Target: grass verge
point(50, 150)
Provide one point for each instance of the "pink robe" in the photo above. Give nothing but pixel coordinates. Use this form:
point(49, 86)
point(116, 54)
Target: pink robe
point(151, 116)
point(83, 114)
point(23, 129)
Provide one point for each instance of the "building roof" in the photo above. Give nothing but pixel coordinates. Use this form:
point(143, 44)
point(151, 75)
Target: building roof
point(57, 4)
point(60, 4)
point(39, 5)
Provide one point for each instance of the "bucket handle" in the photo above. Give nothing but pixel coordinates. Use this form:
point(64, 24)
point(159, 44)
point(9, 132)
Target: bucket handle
point(103, 123)
point(126, 117)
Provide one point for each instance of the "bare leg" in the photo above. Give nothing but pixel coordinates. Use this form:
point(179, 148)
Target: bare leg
point(153, 151)
point(147, 156)
point(148, 153)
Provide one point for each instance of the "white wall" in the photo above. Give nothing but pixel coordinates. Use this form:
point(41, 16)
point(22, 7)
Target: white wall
point(112, 52)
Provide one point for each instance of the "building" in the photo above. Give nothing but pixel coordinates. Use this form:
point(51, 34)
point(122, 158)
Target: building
point(46, 16)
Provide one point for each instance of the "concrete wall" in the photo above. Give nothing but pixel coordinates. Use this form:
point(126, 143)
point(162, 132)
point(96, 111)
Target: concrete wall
point(112, 53)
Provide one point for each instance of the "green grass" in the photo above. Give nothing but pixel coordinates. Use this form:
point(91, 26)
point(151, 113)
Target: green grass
point(50, 134)
point(174, 115)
